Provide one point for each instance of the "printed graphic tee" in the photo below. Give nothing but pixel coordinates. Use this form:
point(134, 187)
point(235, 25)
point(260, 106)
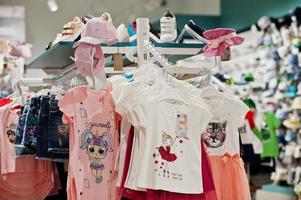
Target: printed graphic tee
point(221, 135)
point(93, 143)
point(171, 158)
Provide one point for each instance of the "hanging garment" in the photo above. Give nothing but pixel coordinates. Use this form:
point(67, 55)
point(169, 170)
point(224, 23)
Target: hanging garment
point(230, 178)
point(152, 96)
point(221, 135)
point(222, 141)
point(93, 143)
point(52, 135)
point(268, 136)
point(20, 176)
point(208, 184)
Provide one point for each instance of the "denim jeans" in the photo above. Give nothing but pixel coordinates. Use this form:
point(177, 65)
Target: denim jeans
point(42, 129)
point(58, 132)
point(21, 148)
point(52, 134)
point(30, 139)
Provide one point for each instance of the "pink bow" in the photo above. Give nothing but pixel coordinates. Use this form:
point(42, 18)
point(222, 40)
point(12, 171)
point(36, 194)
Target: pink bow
point(215, 43)
point(227, 157)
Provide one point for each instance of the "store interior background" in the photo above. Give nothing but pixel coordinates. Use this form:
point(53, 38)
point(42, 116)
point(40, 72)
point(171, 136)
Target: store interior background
point(41, 25)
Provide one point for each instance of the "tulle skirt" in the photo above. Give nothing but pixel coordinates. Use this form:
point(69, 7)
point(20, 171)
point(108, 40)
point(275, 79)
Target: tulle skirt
point(230, 178)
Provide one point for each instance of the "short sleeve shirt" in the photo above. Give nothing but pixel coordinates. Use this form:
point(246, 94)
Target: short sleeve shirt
point(94, 145)
point(221, 135)
point(172, 151)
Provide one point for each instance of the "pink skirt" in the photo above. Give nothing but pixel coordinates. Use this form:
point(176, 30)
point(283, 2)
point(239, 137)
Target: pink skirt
point(230, 178)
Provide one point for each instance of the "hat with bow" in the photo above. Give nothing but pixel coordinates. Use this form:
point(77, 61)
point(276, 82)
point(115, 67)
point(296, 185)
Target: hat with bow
point(219, 40)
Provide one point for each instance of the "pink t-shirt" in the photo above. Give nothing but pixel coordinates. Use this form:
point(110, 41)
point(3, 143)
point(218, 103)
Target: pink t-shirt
point(93, 143)
point(22, 177)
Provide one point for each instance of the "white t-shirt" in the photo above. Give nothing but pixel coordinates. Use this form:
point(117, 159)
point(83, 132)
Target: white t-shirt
point(172, 151)
point(221, 135)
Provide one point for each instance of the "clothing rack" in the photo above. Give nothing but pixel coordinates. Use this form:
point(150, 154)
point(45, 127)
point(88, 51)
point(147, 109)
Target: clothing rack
point(167, 66)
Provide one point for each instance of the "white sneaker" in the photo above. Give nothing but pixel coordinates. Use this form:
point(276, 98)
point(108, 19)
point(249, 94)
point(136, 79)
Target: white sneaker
point(168, 26)
point(122, 33)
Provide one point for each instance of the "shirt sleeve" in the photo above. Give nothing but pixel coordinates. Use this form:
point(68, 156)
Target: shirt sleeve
point(66, 104)
point(240, 112)
point(137, 115)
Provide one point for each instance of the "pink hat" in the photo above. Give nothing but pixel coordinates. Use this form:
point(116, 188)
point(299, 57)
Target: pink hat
point(20, 50)
point(89, 59)
point(219, 40)
point(98, 31)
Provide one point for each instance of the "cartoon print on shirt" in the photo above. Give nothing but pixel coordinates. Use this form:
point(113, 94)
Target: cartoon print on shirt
point(215, 134)
point(165, 152)
point(96, 148)
point(11, 133)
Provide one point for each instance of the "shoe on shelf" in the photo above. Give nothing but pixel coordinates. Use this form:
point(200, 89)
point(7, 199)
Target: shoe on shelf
point(72, 29)
point(168, 26)
point(194, 31)
point(122, 33)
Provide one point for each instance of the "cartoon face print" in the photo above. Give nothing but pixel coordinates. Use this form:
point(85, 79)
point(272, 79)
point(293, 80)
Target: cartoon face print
point(11, 133)
point(97, 152)
point(215, 134)
point(167, 140)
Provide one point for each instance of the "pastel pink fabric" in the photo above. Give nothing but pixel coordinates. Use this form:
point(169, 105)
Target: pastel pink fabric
point(230, 178)
point(89, 59)
point(93, 143)
point(208, 184)
point(21, 50)
point(219, 39)
point(97, 31)
point(22, 177)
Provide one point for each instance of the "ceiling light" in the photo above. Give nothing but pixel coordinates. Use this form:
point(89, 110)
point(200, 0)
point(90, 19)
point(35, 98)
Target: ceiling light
point(52, 5)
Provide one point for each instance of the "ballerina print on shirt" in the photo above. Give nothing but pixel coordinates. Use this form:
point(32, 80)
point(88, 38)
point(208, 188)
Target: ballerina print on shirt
point(165, 153)
point(96, 148)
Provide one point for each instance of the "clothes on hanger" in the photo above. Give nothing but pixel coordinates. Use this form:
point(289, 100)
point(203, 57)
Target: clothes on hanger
point(93, 143)
point(20, 176)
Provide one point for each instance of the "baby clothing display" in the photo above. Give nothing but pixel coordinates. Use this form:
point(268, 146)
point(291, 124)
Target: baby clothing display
point(138, 135)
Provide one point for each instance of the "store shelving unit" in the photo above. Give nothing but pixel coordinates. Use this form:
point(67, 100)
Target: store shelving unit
point(58, 56)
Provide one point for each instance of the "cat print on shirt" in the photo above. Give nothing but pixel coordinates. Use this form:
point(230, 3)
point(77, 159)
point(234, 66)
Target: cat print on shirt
point(96, 147)
point(215, 134)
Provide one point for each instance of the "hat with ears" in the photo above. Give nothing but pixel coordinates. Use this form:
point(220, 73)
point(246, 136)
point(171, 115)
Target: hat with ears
point(292, 122)
point(296, 105)
point(219, 40)
point(98, 31)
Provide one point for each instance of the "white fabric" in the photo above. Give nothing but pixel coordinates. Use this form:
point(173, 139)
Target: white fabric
point(229, 112)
